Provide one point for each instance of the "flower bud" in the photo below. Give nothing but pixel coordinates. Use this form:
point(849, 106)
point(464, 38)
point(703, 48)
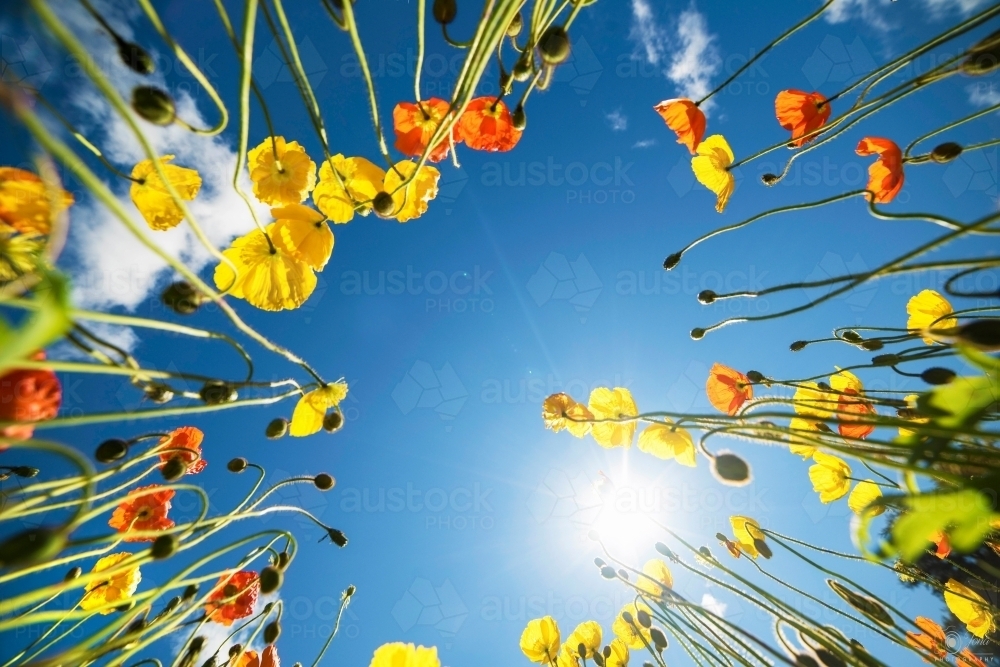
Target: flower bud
point(982, 334)
point(851, 336)
point(761, 546)
point(444, 11)
point(190, 592)
point(153, 104)
point(136, 626)
point(337, 537)
point(829, 659)
point(984, 56)
point(516, 23)
point(111, 450)
point(755, 376)
point(666, 551)
point(26, 472)
point(872, 345)
point(823, 386)
point(73, 573)
point(522, 68)
point(581, 650)
point(798, 345)
point(627, 617)
point(643, 617)
point(135, 57)
point(885, 359)
point(599, 562)
point(697, 333)
point(237, 465)
point(598, 660)
point(707, 296)
point(506, 78)
point(805, 660)
point(171, 604)
point(271, 632)
point(946, 152)
point(158, 393)
point(30, 546)
point(211, 662)
point(659, 639)
point(519, 120)
point(350, 591)
point(235, 650)
point(164, 546)
point(608, 572)
point(333, 421)
point(196, 644)
point(324, 482)
point(554, 45)
point(769, 179)
point(215, 392)
point(671, 261)
point(276, 428)
point(182, 298)
point(623, 573)
point(937, 375)
point(270, 579)
point(173, 469)
point(731, 470)
point(383, 205)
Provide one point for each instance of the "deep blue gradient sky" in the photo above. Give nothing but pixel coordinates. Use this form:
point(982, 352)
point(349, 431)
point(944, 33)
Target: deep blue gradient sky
point(466, 518)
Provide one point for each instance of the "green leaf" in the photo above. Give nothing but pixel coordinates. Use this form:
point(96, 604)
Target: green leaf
point(964, 515)
point(48, 321)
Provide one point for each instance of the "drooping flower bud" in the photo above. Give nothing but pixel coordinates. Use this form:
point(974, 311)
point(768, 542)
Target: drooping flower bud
point(111, 450)
point(769, 179)
point(174, 469)
point(730, 469)
point(383, 205)
point(707, 296)
point(872, 345)
point(182, 298)
point(755, 376)
point(444, 11)
point(518, 119)
point(671, 261)
point(946, 152)
point(190, 591)
point(271, 632)
point(982, 334)
point(73, 573)
point(31, 545)
point(270, 579)
point(659, 639)
point(885, 359)
point(522, 68)
point(135, 57)
point(158, 392)
point(937, 375)
point(337, 537)
point(697, 333)
point(333, 421)
point(851, 336)
point(324, 482)
point(237, 465)
point(798, 345)
point(516, 23)
point(216, 392)
point(554, 45)
point(164, 546)
point(154, 104)
point(276, 428)
point(643, 617)
point(608, 572)
point(26, 472)
point(235, 650)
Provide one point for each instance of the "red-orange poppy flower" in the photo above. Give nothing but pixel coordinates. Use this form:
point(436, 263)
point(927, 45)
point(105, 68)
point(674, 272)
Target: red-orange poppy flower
point(685, 119)
point(931, 641)
point(28, 395)
point(727, 389)
point(801, 113)
point(885, 176)
point(185, 437)
point(850, 409)
point(486, 125)
point(143, 511)
point(966, 658)
point(942, 545)
point(269, 658)
point(233, 597)
point(415, 124)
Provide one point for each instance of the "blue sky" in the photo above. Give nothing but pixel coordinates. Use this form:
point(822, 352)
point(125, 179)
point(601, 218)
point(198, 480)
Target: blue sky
point(452, 328)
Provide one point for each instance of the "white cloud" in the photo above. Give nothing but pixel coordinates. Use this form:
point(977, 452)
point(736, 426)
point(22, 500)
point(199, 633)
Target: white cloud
point(717, 607)
point(650, 36)
point(617, 120)
point(983, 96)
point(644, 143)
point(874, 12)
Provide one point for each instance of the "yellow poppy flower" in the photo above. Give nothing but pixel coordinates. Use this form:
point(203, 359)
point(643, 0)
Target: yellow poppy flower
point(864, 494)
point(567, 657)
point(829, 477)
point(304, 230)
point(540, 640)
point(658, 578)
point(358, 182)
point(668, 442)
point(19, 253)
point(311, 408)
point(268, 277)
point(928, 310)
point(282, 172)
point(811, 401)
point(411, 202)
point(632, 634)
point(799, 444)
point(398, 654)
point(619, 654)
point(150, 196)
point(970, 608)
point(846, 382)
point(612, 404)
point(560, 411)
point(747, 532)
point(711, 168)
point(587, 633)
point(120, 587)
point(27, 204)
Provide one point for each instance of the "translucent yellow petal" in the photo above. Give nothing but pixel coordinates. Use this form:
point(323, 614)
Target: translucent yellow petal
point(311, 409)
point(619, 654)
point(117, 588)
point(969, 607)
point(310, 242)
point(411, 202)
point(710, 167)
point(668, 442)
point(746, 531)
point(928, 310)
point(829, 477)
point(863, 495)
point(540, 640)
point(398, 654)
point(811, 401)
point(632, 634)
point(355, 181)
point(587, 633)
point(843, 380)
point(659, 578)
point(150, 196)
point(614, 403)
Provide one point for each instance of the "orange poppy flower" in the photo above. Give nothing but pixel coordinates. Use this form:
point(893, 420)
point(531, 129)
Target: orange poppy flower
point(685, 119)
point(801, 113)
point(930, 641)
point(147, 511)
point(942, 545)
point(269, 658)
point(966, 658)
point(28, 395)
point(27, 203)
point(885, 176)
point(847, 407)
point(415, 124)
point(185, 437)
point(233, 597)
point(486, 125)
point(727, 389)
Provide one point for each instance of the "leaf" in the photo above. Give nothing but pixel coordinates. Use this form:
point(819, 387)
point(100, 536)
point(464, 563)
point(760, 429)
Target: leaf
point(964, 515)
point(49, 320)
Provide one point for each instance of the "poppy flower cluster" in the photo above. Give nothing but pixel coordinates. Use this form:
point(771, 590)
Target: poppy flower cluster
point(266, 658)
point(932, 642)
point(541, 640)
point(486, 125)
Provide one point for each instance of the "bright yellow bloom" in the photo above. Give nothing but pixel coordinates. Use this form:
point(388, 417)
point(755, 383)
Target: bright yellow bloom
point(811, 401)
point(150, 196)
point(587, 633)
point(559, 412)
point(928, 310)
point(398, 654)
point(970, 608)
point(311, 408)
point(268, 275)
point(612, 404)
point(282, 172)
point(846, 382)
point(711, 168)
point(864, 494)
point(358, 182)
point(540, 640)
point(119, 588)
point(619, 654)
point(747, 532)
point(799, 444)
point(567, 657)
point(411, 202)
point(19, 253)
point(668, 442)
point(659, 578)
point(829, 477)
point(26, 203)
point(306, 232)
point(632, 634)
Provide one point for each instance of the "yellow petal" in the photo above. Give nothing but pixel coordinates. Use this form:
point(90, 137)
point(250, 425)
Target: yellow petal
point(969, 607)
point(829, 477)
point(311, 409)
point(355, 182)
point(619, 654)
point(928, 310)
point(150, 196)
point(746, 531)
point(587, 633)
point(711, 168)
point(540, 640)
point(281, 172)
point(614, 403)
point(117, 588)
point(411, 202)
point(632, 634)
point(268, 278)
point(864, 494)
point(398, 654)
point(843, 380)
point(811, 401)
point(799, 444)
point(305, 232)
point(659, 578)
point(667, 442)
